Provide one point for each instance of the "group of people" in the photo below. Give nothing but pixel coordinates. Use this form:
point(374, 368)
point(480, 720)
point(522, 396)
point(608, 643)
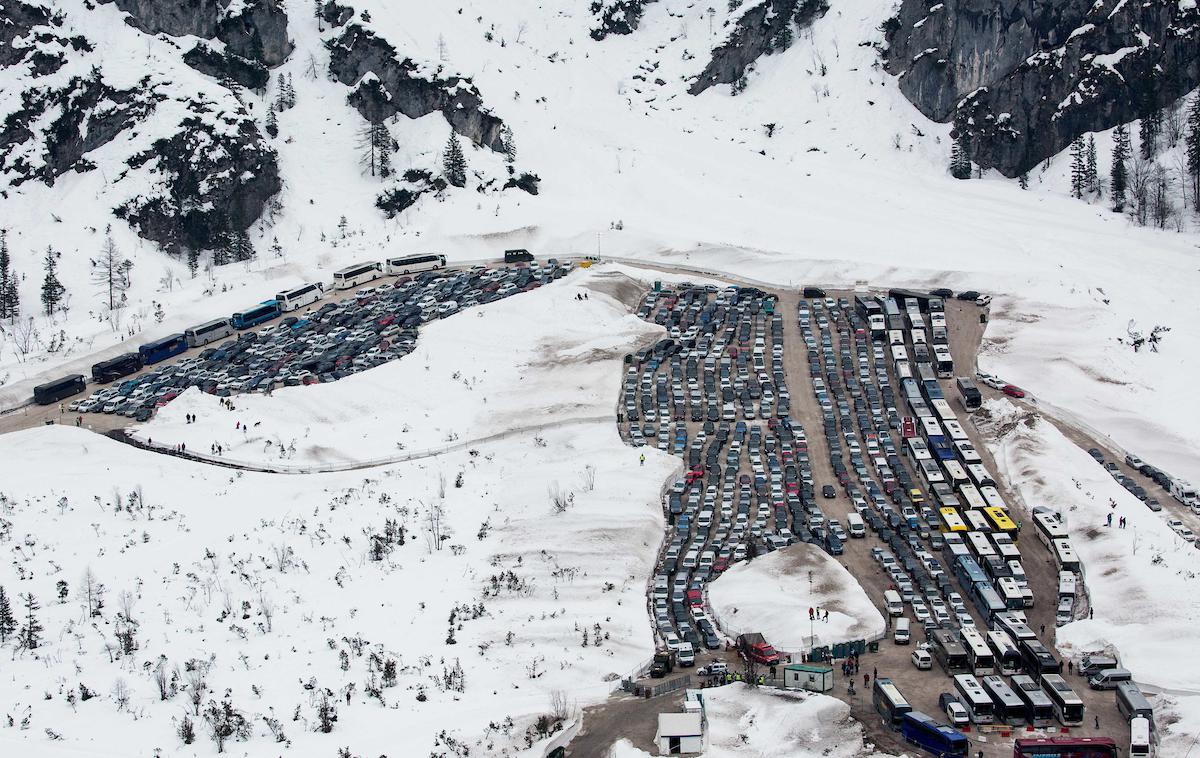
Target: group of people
point(581, 296)
point(1120, 521)
point(814, 614)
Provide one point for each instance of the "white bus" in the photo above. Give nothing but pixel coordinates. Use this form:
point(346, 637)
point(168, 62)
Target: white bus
point(413, 263)
point(979, 706)
point(899, 353)
point(980, 476)
point(971, 497)
point(954, 430)
point(1048, 528)
point(1005, 546)
point(1010, 709)
point(903, 370)
point(943, 361)
point(1014, 625)
point(1139, 737)
point(956, 477)
point(991, 496)
point(978, 523)
point(1068, 707)
point(1008, 656)
point(1066, 584)
point(930, 472)
point(931, 427)
point(919, 337)
point(966, 451)
point(360, 273)
point(201, 335)
point(980, 545)
point(1039, 709)
point(896, 337)
point(1064, 556)
point(917, 449)
point(943, 411)
point(979, 655)
point(299, 297)
point(1010, 592)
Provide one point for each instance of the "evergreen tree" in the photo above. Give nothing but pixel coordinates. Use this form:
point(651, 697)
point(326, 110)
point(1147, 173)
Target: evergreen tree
point(52, 288)
point(960, 164)
point(222, 252)
point(272, 124)
point(510, 145)
point(1192, 142)
point(1090, 175)
point(383, 139)
point(782, 39)
point(1078, 167)
point(8, 623)
point(1023, 180)
point(1119, 175)
point(241, 249)
point(8, 281)
point(1148, 132)
point(276, 248)
point(291, 92)
point(280, 93)
point(30, 635)
point(193, 261)
point(454, 163)
point(343, 225)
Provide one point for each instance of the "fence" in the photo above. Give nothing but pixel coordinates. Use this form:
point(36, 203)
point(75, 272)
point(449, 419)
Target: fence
point(643, 690)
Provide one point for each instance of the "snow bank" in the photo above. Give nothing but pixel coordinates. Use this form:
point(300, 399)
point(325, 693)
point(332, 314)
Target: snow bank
point(772, 594)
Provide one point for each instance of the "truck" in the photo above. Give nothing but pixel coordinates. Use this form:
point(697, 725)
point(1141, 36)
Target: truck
point(663, 664)
point(1184, 493)
point(753, 646)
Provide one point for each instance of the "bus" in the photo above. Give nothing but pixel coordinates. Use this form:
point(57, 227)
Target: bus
point(969, 394)
point(303, 295)
point(1008, 657)
point(980, 659)
point(955, 475)
point(951, 521)
point(1010, 709)
point(1039, 662)
point(1139, 737)
point(1000, 521)
point(889, 702)
point(943, 361)
point(115, 368)
point(917, 449)
point(944, 412)
point(52, 392)
point(981, 546)
point(931, 472)
point(954, 430)
point(160, 350)
point(939, 739)
point(977, 522)
point(1014, 625)
point(1132, 703)
point(1065, 747)
point(1068, 708)
point(1064, 556)
point(900, 353)
point(980, 708)
point(896, 337)
point(259, 314)
point(903, 370)
point(986, 600)
point(966, 452)
point(414, 263)
point(517, 255)
point(1010, 592)
point(979, 475)
point(968, 571)
point(1039, 709)
point(352, 276)
point(1005, 546)
point(1048, 528)
point(211, 331)
point(991, 496)
point(948, 651)
point(971, 497)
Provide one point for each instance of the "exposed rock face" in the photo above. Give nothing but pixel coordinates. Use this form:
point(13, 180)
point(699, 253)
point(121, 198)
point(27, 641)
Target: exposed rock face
point(764, 27)
point(29, 34)
point(406, 193)
point(524, 181)
point(250, 74)
point(254, 29)
point(385, 84)
point(214, 175)
point(616, 16)
point(1022, 78)
point(336, 14)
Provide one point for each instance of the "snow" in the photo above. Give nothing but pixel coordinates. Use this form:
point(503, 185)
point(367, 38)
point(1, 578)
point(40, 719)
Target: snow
point(772, 594)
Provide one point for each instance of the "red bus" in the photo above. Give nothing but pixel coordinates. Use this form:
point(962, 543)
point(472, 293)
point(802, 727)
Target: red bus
point(1066, 747)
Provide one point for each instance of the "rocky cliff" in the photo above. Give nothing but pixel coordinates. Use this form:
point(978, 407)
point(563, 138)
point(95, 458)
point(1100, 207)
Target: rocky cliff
point(616, 16)
point(1022, 78)
point(254, 29)
point(384, 83)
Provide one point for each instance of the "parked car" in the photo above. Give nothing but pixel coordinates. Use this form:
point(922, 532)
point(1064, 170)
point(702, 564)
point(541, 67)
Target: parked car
point(1013, 390)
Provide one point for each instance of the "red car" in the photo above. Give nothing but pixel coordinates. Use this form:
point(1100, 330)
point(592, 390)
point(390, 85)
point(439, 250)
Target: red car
point(695, 599)
point(1013, 390)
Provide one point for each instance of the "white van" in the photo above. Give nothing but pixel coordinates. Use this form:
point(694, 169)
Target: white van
point(855, 524)
point(901, 634)
point(895, 606)
point(1108, 679)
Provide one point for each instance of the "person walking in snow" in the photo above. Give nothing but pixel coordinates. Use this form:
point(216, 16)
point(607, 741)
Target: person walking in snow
point(826, 614)
point(643, 459)
point(866, 680)
point(1108, 521)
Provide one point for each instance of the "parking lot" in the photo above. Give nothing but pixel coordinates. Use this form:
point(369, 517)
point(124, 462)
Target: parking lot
point(771, 398)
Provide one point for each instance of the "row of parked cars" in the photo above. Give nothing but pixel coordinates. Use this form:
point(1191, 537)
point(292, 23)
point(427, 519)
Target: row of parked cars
point(373, 326)
point(1179, 489)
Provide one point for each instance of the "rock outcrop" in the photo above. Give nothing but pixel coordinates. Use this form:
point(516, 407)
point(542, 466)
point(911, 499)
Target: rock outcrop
point(1022, 78)
point(384, 84)
point(405, 193)
point(616, 16)
point(254, 29)
point(222, 65)
point(763, 28)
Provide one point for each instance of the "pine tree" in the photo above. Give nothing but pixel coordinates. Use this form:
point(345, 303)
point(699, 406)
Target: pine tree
point(272, 124)
point(454, 163)
point(111, 273)
point(1090, 174)
point(291, 92)
point(52, 288)
point(383, 139)
point(509, 144)
point(1023, 180)
point(193, 261)
point(1119, 174)
point(8, 280)
point(343, 225)
point(1192, 142)
point(31, 634)
point(280, 93)
point(8, 623)
point(241, 249)
point(1078, 167)
point(960, 164)
point(276, 248)
point(222, 252)
point(1148, 132)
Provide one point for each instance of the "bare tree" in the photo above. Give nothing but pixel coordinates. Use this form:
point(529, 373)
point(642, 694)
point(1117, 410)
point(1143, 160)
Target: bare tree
point(110, 272)
point(1140, 172)
point(121, 693)
point(91, 591)
point(125, 603)
point(434, 528)
point(589, 478)
point(267, 607)
point(25, 337)
point(558, 705)
point(1161, 207)
point(559, 500)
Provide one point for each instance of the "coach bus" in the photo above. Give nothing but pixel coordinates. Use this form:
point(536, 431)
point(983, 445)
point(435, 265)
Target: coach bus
point(956, 477)
point(939, 739)
point(1048, 528)
point(259, 314)
point(1064, 556)
point(948, 651)
point(979, 656)
point(1010, 592)
point(1014, 626)
point(971, 497)
point(986, 600)
point(969, 393)
point(1039, 708)
point(979, 475)
point(1009, 707)
point(160, 350)
point(414, 263)
point(1068, 707)
point(296, 299)
point(115, 368)
point(1008, 657)
point(889, 702)
point(966, 452)
point(1131, 702)
point(1000, 521)
point(951, 521)
point(1005, 546)
point(917, 449)
point(968, 571)
point(1039, 661)
point(1065, 747)
point(210, 331)
point(981, 546)
point(931, 472)
point(976, 521)
point(59, 389)
point(954, 430)
point(360, 273)
point(979, 706)
point(946, 415)
point(991, 496)
point(1139, 737)
point(943, 361)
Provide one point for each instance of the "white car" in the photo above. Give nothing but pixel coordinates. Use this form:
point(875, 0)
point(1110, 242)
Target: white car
point(922, 659)
point(983, 301)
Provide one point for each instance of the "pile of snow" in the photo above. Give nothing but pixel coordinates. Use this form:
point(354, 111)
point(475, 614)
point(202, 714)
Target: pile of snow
point(773, 593)
point(744, 721)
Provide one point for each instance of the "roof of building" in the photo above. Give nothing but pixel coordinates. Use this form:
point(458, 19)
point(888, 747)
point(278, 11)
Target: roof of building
point(679, 725)
point(812, 668)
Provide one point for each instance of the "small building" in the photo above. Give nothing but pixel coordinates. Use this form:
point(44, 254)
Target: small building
point(808, 676)
point(680, 733)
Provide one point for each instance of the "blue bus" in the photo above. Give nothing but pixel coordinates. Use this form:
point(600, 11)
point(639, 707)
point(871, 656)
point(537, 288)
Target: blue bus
point(968, 571)
point(264, 311)
point(162, 349)
point(939, 739)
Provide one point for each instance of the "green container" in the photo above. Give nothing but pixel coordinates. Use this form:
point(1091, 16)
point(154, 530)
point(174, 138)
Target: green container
point(657, 286)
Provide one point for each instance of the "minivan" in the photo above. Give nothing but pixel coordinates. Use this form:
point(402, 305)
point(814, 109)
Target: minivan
point(895, 606)
point(1108, 679)
point(855, 523)
point(1094, 664)
point(901, 633)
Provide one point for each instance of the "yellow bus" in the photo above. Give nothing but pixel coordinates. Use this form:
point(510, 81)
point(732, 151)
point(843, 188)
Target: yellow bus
point(1000, 521)
point(951, 521)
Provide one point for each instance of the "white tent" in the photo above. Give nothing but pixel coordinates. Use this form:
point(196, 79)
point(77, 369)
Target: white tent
point(680, 733)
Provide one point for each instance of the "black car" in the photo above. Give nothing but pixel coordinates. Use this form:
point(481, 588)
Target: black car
point(971, 295)
point(942, 292)
point(828, 492)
